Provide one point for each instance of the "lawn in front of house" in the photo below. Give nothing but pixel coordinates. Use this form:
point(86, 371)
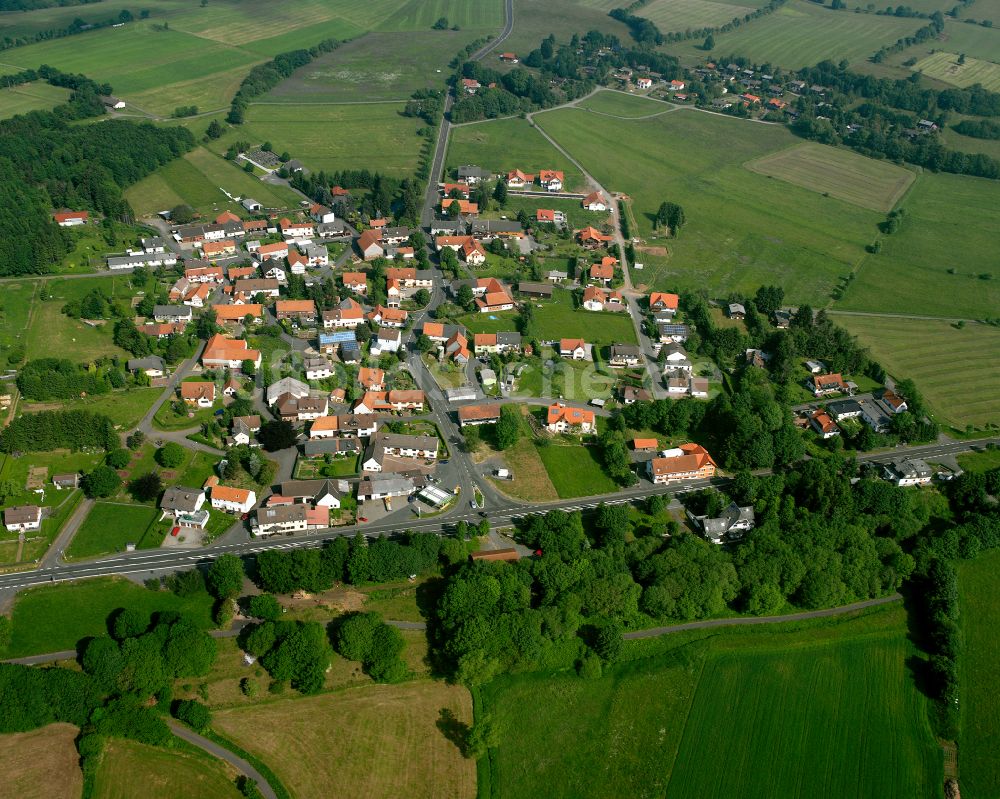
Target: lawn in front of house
point(110, 526)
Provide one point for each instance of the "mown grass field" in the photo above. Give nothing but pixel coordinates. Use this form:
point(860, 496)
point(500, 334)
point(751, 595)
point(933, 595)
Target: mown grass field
point(743, 229)
point(41, 764)
point(30, 97)
point(974, 40)
point(841, 173)
point(125, 407)
point(952, 368)
point(979, 761)
point(671, 15)
point(131, 770)
point(619, 104)
point(801, 34)
point(477, 15)
point(813, 709)
point(949, 225)
point(197, 179)
point(333, 137)
point(507, 144)
point(575, 470)
point(108, 527)
point(385, 65)
point(54, 617)
point(944, 66)
point(533, 21)
point(373, 741)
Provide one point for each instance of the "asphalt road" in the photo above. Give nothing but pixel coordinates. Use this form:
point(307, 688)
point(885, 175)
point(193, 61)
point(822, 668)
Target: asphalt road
point(214, 749)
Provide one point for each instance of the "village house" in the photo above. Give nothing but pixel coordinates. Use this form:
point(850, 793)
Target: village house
point(592, 239)
point(71, 218)
point(250, 287)
point(286, 519)
point(371, 379)
point(22, 518)
point(465, 207)
point(469, 415)
point(321, 493)
point(370, 245)
point(320, 213)
point(473, 253)
point(550, 179)
point(598, 299)
point(196, 296)
point(823, 424)
point(378, 487)
point(386, 340)
point(302, 311)
point(603, 272)
point(662, 302)
point(594, 202)
point(731, 525)
point(286, 385)
point(270, 251)
point(644, 83)
point(398, 446)
point(222, 352)
point(624, 356)
point(470, 85)
point(349, 314)
point(575, 349)
point(203, 273)
point(563, 419)
point(516, 179)
point(235, 314)
point(822, 385)
point(736, 310)
point(410, 277)
point(906, 472)
point(149, 260)
point(356, 282)
point(457, 348)
point(198, 393)
point(390, 401)
point(542, 291)
point(154, 244)
point(225, 248)
point(174, 314)
point(388, 317)
point(297, 230)
point(297, 263)
point(501, 343)
point(151, 366)
point(549, 216)
point(233, 500)
point(471, 174)
point(686, 462)
point(178, 501)
point(320, 447)
point(355, 425)
point(317, 368)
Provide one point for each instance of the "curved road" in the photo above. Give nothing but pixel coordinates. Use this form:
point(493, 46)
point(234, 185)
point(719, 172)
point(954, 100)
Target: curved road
point(653, 632)
point(214, 749)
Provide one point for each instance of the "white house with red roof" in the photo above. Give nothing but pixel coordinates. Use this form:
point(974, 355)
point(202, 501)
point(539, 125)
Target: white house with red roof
point(563, 419)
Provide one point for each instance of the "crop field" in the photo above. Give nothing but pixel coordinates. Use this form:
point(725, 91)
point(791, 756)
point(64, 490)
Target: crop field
point(619, 104)
point(974, 40)
point(950, 367)
point(108, 527)
point(376, 66)
point(51, 618)
point(940, 260)
point(575, 470)
point(41, 764)
point(743, 229)
point(679, 15)
point(507, 144)
point(131, 770)
point(336, 137)
point(35, 96)
point(944, 66)
point(802, 34)
point(198, 179)
point(841, 173)
point(482, 16)
point(815, 709)
point(980, 607)
point(373, 741)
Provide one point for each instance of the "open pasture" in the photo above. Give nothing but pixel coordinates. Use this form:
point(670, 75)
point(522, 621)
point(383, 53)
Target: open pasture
point(481, 16)
point(197, 179)
point(940, 261)
point(373, 741)
point(376, 66)
point(333, 137)
point(840, 719)
point(944, 66)
point(36, 96)
point(743, 229)
point(979, 761)
point(505, 144)
point(131, 770)
point(839, 172)
point(619, 104)
point(41, 764)
point(974, 40)
point(109, 526)
point(679, 15)
point(534, 20)
point(801, 34)
point(953, 369)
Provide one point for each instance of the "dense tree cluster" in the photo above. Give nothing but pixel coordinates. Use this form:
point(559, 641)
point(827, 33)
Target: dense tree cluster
point(297, 653)
point(48, 430)
point(978, 128)
point(376, 645)
point(264, 77)
point(57, 378)
point(31, 698)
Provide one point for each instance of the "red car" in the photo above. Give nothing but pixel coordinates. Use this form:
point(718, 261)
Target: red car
point(362, 518)
point(175, 531)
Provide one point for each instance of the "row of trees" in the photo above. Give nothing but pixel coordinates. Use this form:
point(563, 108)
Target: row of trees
point(58, 378)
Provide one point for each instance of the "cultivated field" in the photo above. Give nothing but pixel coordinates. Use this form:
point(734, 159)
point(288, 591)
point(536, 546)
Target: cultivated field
point(483, 16)
point(980, 603)
point(132, 770)
point(952, 368)
point(841, 173)
point(743, 229)
point(108, 527)
point(507, 144)
point(944, 66)
point(533, 21)
point(333, 137)
point(198, 179)
point(674, 15)
point(619, 104)
point(41, 764)
point(801, 34)
point(376, 66)
point(817, 709)
point(374, 741)
point(949, 225)
point(56, 617)
point(30, 97)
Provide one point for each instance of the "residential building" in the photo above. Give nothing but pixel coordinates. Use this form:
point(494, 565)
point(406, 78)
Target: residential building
point(517, 179)
point(478, 414)
point(357, 282)
point(625, 355)
point(573, 348)
point(370, 245)
point(662, 302)
point(322, 493)
point(686, 462)
point(353, 425)
point(828, 384)
point(286, 385)
point(151, 366)
point(22, 518)
point(908, 472)
point(591, 238)
point(550, 179)
point(71, 218)
point(172, 313)
point(233, 500)
point(564, 419)
point(199, 393)
point(230, 314)
point(179, 500)
point(823, 424)
point(348, 315)
point(595, 201)
point(222, 352)
point(731, 525)
point(302, 311)
point(538, 290)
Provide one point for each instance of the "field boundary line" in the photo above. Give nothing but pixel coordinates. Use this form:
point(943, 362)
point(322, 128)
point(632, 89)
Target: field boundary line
point(335, 102)
point(654, 632)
